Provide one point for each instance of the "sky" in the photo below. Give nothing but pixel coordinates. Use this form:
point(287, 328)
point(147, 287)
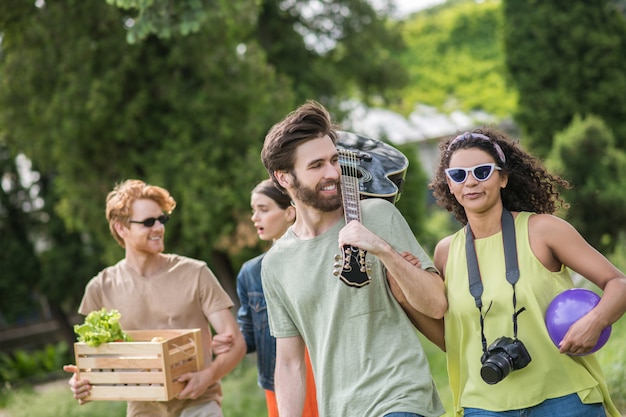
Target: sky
point(408, 6)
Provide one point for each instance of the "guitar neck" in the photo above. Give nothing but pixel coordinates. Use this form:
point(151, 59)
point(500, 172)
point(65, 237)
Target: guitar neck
point(354, 265)
point(350, 194)
point(351, 198)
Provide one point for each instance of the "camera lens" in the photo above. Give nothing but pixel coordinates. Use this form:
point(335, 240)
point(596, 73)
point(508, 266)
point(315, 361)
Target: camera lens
point(495, 369)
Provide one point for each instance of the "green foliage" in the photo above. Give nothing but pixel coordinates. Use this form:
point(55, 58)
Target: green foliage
point(439, 224)
point(412, 202)
point(169, 113)
point(438, 369)
point(456, 60)
point(242, 398)
point(586, 155)
point(618, 256)
point(37, 248)
point(186, 109)
point(611, 357)
point(168, 18)
point(242, 395)
point(22, 365)
point(17, 219)
point(334, 50)
point(57, 401)
point(566, 59)
point(101, 327)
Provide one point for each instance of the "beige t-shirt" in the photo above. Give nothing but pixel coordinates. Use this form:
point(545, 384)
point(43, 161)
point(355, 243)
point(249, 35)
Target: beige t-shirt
point(180, 296)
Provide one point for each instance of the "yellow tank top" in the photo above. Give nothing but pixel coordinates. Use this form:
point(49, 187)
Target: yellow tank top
point(550, 374)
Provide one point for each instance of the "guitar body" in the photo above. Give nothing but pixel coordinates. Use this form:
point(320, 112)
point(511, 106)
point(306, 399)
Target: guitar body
point(369, 168)
point(382, 168)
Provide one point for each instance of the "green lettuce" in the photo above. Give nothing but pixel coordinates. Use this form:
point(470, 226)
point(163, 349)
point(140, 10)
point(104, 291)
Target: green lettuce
point(101, 327)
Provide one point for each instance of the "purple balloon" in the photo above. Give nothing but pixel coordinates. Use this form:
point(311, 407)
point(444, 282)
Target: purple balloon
point(566, 308)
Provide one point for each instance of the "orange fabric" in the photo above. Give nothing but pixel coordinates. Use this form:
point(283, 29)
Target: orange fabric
point(310, 401)
point(272, 407)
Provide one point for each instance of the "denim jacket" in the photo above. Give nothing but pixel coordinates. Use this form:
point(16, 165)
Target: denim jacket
point(253, 322)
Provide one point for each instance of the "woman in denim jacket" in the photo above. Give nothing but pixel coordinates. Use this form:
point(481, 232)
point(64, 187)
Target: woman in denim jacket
point(272, 215)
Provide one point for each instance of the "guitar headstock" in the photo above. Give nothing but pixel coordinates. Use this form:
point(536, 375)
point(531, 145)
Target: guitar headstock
point(350, 160)
point(352, 267)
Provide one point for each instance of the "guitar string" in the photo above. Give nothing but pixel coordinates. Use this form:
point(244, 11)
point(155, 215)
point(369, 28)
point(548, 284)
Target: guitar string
point(352, 211)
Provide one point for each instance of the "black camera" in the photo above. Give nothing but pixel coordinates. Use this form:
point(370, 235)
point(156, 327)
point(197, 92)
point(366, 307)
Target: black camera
point(503, 356)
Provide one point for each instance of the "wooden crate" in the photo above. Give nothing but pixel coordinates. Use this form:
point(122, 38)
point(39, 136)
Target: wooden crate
point(140, 370)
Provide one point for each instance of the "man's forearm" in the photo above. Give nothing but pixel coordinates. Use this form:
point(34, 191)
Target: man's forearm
point(430, 327)
point(424, 290)
point(290, 385)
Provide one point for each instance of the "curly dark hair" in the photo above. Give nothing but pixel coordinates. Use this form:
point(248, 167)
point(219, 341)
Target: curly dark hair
point(530, 186)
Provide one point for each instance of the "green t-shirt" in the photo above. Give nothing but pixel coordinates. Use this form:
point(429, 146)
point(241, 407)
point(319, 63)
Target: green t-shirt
point(366, 355)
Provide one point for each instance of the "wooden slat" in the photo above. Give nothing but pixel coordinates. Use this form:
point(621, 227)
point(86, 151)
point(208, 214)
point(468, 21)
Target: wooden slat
point(132, 377)
point(128, 393)
point(184, 354)
point(119, 363)
point(115, 369)
point(176, 371)
point(122, 349)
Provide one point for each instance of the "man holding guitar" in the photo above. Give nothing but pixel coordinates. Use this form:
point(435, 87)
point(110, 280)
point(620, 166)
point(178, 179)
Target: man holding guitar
point(366, 356)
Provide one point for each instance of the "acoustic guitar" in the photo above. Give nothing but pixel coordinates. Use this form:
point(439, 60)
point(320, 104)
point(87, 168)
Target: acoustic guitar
point(370, 168)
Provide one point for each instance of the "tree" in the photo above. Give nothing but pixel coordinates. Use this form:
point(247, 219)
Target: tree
point(412, 202)
point(333, 49)
point(328, 48)
point(566, 58)
point(171, 18)
point(18, 255)
point(185, 112)
point(104, 110)
point(586, 155)
point(42, 262)
point(456, 60)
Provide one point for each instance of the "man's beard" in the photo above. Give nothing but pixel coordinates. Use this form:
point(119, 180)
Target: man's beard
point(312, 198)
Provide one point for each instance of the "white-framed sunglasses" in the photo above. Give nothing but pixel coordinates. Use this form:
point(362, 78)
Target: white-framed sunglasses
point(481, 172)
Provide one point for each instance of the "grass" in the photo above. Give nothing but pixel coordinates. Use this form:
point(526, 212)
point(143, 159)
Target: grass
point(243, 397)
point(437, 361)
point(612, 357)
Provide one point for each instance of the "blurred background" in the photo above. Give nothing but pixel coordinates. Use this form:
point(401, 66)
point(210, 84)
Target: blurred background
point(180, 93)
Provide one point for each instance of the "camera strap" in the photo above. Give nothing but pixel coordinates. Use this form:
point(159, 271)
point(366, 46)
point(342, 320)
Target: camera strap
point(512, 270)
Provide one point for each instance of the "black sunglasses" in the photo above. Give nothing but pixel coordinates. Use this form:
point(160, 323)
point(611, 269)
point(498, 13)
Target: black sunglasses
point(480, 172)
point(149, 222)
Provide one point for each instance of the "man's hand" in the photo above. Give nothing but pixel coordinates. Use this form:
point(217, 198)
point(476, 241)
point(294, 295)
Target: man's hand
point(80, 387)
point(196, 383)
